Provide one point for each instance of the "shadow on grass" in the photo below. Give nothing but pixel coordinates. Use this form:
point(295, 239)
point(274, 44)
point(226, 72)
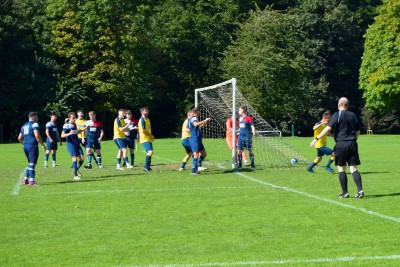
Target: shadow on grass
point(367, 173)
point(383, 195)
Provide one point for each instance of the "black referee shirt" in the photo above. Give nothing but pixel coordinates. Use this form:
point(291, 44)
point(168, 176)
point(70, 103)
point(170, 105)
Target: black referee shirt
point(344, 125)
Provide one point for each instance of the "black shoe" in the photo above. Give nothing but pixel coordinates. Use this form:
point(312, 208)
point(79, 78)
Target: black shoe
point(253, 166)
point(344, 195)
point(359, 194)
point(88, 166)
point(146, 170)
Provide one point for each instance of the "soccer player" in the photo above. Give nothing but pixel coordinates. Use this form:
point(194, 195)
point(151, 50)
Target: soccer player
point(131, 134)
point(94, 135)
point(70, 132)
point(119, 138)
point(246, 132)
point(345, 128)
point(146, 137)
point(80, 125)
point(185, 140)
point(29, 136)
point(52, 138)
point(196, 142)
point(320, 145)
point(229, 136)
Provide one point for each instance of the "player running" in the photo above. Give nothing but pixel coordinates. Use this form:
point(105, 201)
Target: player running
point(70, 132)
point(52, 138)
point(185, 140)
point(94, 136)
point(196, 142)
point(320, 145)
point(119, 138)
point(246, 132)
point(29, 136)
point(131, 134)
point(146, 137)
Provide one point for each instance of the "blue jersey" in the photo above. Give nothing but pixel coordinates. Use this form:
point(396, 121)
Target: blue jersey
point(195, 132)
point(28, 134)
point(132, 133)
point(52, 127)
point(245, 124)
point(95, 128)
point(67, 128)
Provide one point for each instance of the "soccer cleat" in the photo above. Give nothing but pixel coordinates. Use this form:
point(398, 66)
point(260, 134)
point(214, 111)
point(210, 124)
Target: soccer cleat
point(123, 164)
point(129, 166)
point(79, 174)
point(195, 173)
point(310, 170)
point(119, 168)
point(45, 164)
point(55, 166)
point(246, 163)
point(100, 166)
point(253, 166)
point(33, 183)
point(147, 169)
point(25, 181)
point(329, 169)
point(344, 195)
point(181, 169)
point(201, 168)
point(77, 178)
point(359, 194)
point(88, 166)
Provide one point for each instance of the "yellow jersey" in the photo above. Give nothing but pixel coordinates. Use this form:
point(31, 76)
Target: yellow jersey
point(185, 134)
point(117, 124)
point(144, 124)
point(322, 141)
point(80, 125)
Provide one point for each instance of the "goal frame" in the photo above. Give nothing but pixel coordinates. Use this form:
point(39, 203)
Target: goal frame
point(196, 103)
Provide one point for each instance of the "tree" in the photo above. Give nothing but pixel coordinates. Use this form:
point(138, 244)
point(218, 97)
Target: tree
point(380, 69)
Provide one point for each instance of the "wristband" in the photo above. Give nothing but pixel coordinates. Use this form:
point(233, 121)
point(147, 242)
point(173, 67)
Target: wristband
point(316, 138)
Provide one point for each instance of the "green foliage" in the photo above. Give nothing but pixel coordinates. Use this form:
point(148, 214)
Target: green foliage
point(380, 69)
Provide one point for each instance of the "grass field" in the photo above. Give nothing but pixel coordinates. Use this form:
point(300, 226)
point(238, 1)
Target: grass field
point(220, 218)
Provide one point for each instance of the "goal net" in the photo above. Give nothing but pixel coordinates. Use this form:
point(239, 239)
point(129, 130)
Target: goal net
point(220, 102)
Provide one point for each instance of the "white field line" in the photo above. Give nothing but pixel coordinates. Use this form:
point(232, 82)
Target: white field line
point(150, 190)
point(17, 187)
point(277, 262)
point(370, 212)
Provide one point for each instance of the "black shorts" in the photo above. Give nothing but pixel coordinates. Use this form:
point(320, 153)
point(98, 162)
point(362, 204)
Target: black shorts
point(346, 152)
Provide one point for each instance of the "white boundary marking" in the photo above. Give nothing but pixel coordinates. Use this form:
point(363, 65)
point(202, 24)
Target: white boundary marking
point(17, 187)
point(276, 262)
point(370, 212)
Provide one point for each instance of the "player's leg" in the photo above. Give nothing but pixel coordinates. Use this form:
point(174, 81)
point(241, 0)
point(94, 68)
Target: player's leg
point(240, 151)
point(54, 156)
point(48, 150)
point(196, 154)
point(353, 161)
point(186, 145)
point(315, 162)
point(149, 153)
point(27, 169)
point(340, 161)
point(89, 155)
point(202, 156)
point(249, 147)
point(33, 158)
point(98, 154)
point(80, 158)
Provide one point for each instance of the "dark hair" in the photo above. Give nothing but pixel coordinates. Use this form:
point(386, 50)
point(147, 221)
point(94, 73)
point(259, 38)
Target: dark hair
point(70, 113)
point(143, 108)
point(196, 110)
point(79, 110)
point(32, 114)
point(326, 114)
point(244, 108)
point(128, 112)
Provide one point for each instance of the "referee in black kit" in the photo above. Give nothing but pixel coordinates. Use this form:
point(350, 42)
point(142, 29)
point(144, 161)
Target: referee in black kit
point(345, 128)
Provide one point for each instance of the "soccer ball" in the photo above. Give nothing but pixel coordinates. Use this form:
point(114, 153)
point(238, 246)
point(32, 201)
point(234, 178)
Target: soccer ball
point(293, 160)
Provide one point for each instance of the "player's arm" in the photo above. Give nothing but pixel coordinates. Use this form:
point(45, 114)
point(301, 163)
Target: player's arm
point(59, 138)
point(229, 125)
point(21, 138)
point(317, 125)
point(253, 129)
point(321, 134)
point(65, 134)
point(201, 123)
point(48, 135)
point(357, 133)
point(39, 138)
point(101, 135)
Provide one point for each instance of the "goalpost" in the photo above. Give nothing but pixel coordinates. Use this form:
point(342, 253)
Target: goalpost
point(220, 102)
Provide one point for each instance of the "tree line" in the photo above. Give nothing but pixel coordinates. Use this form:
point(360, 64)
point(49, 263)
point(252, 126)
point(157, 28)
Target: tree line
point(292, 58)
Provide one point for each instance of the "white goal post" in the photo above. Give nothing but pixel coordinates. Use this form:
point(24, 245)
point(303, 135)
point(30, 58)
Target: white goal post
point(220, 102)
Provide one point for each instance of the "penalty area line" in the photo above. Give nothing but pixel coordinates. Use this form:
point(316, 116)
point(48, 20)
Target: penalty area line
point(370, 212)
point(17, 186)
point(277, 262)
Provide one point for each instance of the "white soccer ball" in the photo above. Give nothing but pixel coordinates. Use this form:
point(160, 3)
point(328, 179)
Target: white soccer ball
point(293, 160)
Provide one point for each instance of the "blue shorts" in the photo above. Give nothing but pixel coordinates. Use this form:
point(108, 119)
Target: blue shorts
point(324, 151)
point(74, 149)
point(31, 153)
point(186, 145)
point(130, 143)
point(147, 146)
point(92, 144)
point(196, 145)
point(244, 142)
point(121, 143)
point(50, 145)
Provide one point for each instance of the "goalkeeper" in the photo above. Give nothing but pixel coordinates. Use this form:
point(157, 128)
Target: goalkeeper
point(229, 137)
point(246, 132)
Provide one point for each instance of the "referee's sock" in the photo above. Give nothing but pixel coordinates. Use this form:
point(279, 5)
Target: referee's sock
point(357, 180)
point(343, 182)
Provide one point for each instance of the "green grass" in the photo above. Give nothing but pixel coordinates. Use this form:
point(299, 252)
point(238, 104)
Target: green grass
point(260, 217)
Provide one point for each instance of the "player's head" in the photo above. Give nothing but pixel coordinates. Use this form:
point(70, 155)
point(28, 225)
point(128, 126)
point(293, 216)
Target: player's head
point(343, 103)
point(121, 113)
point(242, 110)
point(128, 114)
point(92, 115)
point(33, 116)
point(144, 111)
point(53, 117)
point(195, 112)
point(189, 113)
point(79, 113)
point(71, 116)
point(326, 116)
